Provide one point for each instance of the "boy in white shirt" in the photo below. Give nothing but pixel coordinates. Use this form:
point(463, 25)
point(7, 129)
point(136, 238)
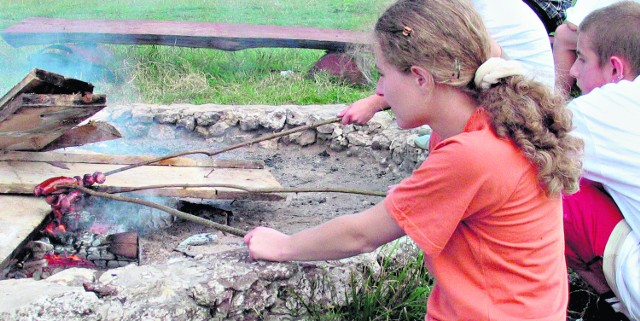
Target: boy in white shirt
point(602, 220)
point(566, 35)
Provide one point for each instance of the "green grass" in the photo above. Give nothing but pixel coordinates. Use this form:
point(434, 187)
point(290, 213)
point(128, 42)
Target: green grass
point(398, 292)
point(162, 74)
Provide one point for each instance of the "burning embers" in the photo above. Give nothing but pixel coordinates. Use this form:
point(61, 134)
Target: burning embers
point(76, 239)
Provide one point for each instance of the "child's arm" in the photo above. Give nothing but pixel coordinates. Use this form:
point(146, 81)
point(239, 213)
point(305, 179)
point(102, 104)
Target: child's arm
point(341, 237)
point(363, 110)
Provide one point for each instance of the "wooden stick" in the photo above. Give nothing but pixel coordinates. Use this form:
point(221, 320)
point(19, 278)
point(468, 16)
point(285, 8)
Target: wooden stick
point(232, 147)
point(108, 193)
point(116, 189)
point(174, 212)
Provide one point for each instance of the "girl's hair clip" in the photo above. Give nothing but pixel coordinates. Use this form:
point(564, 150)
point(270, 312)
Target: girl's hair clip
point(456, 69)
point(407, 31)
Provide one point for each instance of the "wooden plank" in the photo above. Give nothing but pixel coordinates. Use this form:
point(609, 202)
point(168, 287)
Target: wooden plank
point(19, 217)
point(91, 132)
point(224, 36)
point(126, 160)
point(20, 178)
point(40, 119)
point(44, 82)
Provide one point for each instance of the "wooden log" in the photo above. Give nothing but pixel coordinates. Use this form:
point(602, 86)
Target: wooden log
point(224, 36)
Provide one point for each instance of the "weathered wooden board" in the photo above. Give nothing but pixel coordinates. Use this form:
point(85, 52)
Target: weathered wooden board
point(44, 82)
point(91, 132)
point(59, 157)
point(42, 107)
point(37, 120)
point(224, 36)
point(20, 177)
point(19, 216)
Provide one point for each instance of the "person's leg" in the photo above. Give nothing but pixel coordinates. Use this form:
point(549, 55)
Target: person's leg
point(590, 216)
point(564, 55)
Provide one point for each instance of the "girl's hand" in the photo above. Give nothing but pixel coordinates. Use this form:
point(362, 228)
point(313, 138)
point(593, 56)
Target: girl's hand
point(266, 244)
point(361, 111)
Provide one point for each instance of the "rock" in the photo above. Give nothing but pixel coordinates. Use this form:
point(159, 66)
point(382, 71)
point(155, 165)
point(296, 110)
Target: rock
point(142, 114)
point(296, 118)
point(358, 138)
point(203, 131)
point(218, 129)
point(73, 277)
point(169, 116)
point(161, 132)
point(328, 128)
point(208, 118)
point(187, 122)
point(304, 138)
point(250, 122)
point(380, 142)
point(274, 120)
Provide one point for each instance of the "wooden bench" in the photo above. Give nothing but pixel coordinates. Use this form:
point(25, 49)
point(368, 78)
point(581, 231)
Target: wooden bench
point(224, 36)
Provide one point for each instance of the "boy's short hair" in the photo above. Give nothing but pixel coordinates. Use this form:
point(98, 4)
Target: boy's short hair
point(614, 31)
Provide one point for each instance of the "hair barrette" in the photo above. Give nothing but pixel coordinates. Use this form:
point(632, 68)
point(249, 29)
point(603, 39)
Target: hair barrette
point(407, 31)
point(456, 69)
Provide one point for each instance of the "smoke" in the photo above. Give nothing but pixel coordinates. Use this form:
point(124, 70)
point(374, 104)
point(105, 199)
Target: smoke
point(105, 66)
point(129, 217)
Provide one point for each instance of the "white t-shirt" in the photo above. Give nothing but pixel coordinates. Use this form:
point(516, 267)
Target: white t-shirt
point(582, 8)
point(521, 34)
point(608, 120)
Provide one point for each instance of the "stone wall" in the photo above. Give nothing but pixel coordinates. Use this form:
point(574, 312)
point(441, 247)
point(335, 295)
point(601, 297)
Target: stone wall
point(223, 286)
point(380, 139)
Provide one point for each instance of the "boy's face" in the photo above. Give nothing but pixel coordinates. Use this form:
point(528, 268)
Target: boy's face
point(586, 69)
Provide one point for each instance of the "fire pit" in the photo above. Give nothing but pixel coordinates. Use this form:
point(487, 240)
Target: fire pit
point(218, 280)
point(86, 238)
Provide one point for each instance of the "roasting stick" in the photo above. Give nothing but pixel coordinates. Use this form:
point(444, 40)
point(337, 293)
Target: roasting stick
point(197, 219)
point(116, 189)
point(232, 147)
point(174, 212)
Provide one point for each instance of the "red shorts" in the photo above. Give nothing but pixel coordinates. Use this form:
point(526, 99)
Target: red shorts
point(589, 217)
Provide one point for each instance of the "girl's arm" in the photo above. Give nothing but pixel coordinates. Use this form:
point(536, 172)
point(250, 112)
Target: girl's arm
point(341, 237)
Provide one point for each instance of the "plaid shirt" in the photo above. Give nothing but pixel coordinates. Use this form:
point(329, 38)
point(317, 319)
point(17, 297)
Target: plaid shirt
point(556, 10)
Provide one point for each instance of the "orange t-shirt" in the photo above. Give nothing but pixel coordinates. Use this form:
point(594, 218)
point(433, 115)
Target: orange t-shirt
point(492, 238)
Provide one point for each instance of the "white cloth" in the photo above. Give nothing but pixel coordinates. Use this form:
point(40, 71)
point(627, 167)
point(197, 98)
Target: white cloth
point(494, 69)
point(608, 120)
point(582, 8)
point(628, 276)
point(521, 35)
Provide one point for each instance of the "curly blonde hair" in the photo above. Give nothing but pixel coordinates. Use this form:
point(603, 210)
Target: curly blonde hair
point(448, 38)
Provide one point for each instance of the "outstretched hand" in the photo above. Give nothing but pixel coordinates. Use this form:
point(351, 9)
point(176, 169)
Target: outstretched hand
point(361, 111)
point(266, 244)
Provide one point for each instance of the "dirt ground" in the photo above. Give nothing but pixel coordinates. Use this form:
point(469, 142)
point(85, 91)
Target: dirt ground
point(293, 166)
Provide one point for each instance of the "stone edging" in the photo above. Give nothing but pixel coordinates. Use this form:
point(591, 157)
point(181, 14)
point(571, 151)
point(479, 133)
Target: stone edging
point(380, 138)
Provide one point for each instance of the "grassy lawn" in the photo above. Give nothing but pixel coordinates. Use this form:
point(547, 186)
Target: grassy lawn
point(162, 74)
